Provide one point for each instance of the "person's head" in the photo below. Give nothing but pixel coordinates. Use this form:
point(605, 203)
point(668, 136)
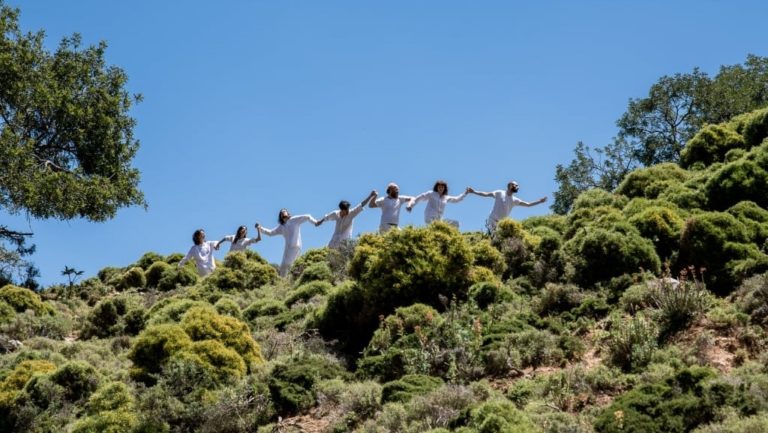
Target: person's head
point(198, 237)
point(512, 187)
point(242, 232)
point(393, 190)
point(440, 187)
point(283, 216)
point(344, 207)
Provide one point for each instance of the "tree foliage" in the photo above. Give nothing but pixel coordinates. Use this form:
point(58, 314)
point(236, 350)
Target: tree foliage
point(66, 139)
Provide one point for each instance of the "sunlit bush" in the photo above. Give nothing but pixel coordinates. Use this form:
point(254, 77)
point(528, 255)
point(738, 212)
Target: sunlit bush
point(202, 323)
point(651, 181)
point(155, 271)
point(308, 290)
point(408, 386)
point(21, 299)
point(662, 226)
point(632, 342)
point(710, 145)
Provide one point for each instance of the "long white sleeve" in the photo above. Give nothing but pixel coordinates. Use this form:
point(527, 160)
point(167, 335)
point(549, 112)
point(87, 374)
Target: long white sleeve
point(186, 258)
point(273, 232)
point(457, 198)
point(304, 218)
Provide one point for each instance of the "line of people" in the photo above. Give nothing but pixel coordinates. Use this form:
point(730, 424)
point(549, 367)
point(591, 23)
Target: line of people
point(290, 225)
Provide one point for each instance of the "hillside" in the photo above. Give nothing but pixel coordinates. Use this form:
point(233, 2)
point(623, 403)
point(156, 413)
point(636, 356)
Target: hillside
point(642, 310)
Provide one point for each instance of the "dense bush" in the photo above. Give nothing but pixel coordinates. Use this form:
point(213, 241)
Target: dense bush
point(662, 226)
point(78, 379)
point(133, 277)
point(241, 271)
point(487, 256)
point(291, 381)
point(148, 259)
point(650, 182)
point(710, 145)
point(202, 323)
point(753, 126)
point(488, 292)
point(679, 304)
point(153, 347)
point(228, 307)
point(717, 242)
point(118, 315)
point(171, 310)
point(408, 386)
point(499, 416)
point(400, 268)
point(173, 278)
point(737, 181)
point(155, 272)
point(599, 254)
point(308, 290)
point(316, 272)
point(597, 197)
point(754, 218)
point(675, 405)
point(21, 299)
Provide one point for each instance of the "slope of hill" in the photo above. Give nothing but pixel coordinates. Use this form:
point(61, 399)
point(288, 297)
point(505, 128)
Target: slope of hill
point(643, 310)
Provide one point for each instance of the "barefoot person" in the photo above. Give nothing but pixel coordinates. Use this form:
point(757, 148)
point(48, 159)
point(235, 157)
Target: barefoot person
point(390, 207)
point(504, 202)
point(290, 229)
point(344, 217)
point(202, 253)
point(436, 200)
point(239, 240)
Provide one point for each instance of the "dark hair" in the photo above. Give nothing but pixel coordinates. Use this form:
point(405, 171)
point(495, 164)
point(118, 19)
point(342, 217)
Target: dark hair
point(344, 205)
point(197, 235)
point(438, 183)
point(280, 216)
point(515, 185)
point(240, 229)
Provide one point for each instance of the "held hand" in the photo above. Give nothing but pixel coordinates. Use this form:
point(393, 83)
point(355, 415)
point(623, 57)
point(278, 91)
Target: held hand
point(543, 199)
point(317, 224)
point(470, 190)
point(408, 208)
point(257, 226)
point(216, 247)
point(374, 193)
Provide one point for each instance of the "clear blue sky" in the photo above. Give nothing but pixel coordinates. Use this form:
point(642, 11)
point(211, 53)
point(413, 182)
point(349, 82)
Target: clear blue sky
point(252, 106)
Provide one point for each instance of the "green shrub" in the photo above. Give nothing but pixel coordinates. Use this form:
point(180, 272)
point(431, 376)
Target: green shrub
point(114, 316)
point(148, 259)
point(597, 197)
point(678, 304)
point(636, 298)
point(14, 381)
point(675, 405)
point(715, 241)
point(7, 313)
point(487, 256)
point(737, 181)
point(21, 300)
point(599, 254)
point(177, 277)
point(202, 323)
point(153, 347)
point(108, 274)
point(221, 362)
point(752, 298)
point(133, 277)
point(171, 310)
point(408, 386)
point(112, 396)
point(310, 257)
point(308, 290)
point(710, 145)
point(77, 378)
point(753, 126)
point(651, 181)
point(500, 416)
point(155, 272)
point(553, 221)
point(320, 271)
point(228, 307)
point(264, 307)
point(291, 381)
point(754, 218)
point(737, 424)
point(242, 271)
point(400, 268)
point(488, 292)
point(632, 342)
point(558, 298)
point(662, 226)
point(119, 421)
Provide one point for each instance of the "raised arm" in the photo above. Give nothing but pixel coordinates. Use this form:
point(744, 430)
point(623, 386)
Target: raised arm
point(305, 218)
point(370, 199)
point(257, 238)
point(480, 193)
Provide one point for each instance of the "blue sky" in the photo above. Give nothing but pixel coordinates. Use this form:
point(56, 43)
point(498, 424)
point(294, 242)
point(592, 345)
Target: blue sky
point(251, 106)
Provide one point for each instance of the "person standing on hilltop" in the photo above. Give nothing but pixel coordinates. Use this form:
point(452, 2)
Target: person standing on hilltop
point(390, 207)
point(436, 200)
point(202, 253)
point(239, 240)
point(504, 202)
point(344, 217)
point(290, 229)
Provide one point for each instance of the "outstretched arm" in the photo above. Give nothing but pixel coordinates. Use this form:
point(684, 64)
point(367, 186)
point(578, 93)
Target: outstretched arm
point(229, 238)
point(375, 203)
point(415, 200)
point(273, 232)
point(186, 258)
point(458, 198)
point(480, 193)
point(305, 218)
point(531, 203)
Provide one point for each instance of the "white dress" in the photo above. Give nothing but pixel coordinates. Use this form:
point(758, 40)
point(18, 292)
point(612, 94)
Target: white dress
point(343, 229)
point(203, 257)
point(291, 231)
point(435, 204)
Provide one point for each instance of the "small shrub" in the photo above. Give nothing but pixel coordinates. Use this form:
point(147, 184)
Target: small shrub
point(119, 421)
point(134, 277)
point(7, 313)
point(202, 323)
point(222, 363)
point(171, 310)
point(21, 300)
point(228, 307)
point(408, 386)
point(320, 271)
point(487, 256)
point(649, 182)
point(155, 272)
point(153, 347)
point(710, 145)
point(112, 396)
point(264, 307)
point(308, 290)
point(487, 293)
point(148, 259)
point(662, 226)
point(77, 378)
point(631, 343)
point(679, 304)
point(291, 382)
point(500, 416)
point(558, 298)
